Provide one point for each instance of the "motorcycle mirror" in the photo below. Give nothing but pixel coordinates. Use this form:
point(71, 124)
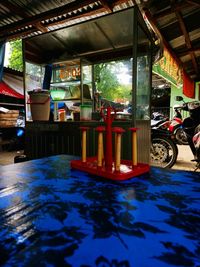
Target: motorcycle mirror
point(178, 98)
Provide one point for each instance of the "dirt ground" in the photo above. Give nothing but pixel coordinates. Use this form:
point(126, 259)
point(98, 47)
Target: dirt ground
point(184, 159)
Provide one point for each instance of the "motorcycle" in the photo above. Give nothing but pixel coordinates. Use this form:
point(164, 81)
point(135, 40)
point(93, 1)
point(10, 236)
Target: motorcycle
point(196, 142)
point(175, 127)
point(191, 126)
point(160, 121)
point(163, 151)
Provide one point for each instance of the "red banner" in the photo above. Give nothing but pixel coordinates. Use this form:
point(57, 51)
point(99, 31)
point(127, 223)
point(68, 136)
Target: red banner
point(6, 90)
point(188, 86)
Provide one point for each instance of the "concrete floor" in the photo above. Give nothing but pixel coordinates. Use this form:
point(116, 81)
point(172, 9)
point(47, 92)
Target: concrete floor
point(7, 157)
point(183, 161)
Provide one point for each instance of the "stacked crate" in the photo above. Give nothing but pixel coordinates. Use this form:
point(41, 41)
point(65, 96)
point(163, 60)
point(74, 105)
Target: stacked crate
point(8, 119)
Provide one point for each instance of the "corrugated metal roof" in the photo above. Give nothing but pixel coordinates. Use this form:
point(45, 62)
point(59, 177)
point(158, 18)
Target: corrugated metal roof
point(23, 18)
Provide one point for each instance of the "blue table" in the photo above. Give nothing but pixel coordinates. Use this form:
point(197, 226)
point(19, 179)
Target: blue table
point(53, 216)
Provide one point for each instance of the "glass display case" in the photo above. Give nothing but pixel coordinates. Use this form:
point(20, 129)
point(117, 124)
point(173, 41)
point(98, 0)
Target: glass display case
point(75, 54)
point(70, 86)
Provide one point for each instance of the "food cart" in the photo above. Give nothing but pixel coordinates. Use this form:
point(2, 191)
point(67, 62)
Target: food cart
point(63, 61)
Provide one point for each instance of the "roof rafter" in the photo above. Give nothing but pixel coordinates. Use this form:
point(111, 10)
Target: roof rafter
point(187, 39)
point(193, 2)
point(182, 54)
point(106, 5)
point(153, 23)
point(168, 11)
point(75, 16)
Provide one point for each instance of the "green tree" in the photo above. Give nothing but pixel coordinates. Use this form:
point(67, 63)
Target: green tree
point(15, 59)
point(106, 79)
point(107, 82)
point(123, 92)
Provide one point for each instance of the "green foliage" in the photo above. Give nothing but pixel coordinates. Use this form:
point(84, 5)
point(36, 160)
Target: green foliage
point(123, 91)
point(106, 79)
point(15, 59)
point(107, 83)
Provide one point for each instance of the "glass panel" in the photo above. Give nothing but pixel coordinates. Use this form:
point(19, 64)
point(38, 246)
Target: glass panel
point(113, 84)
point(34, 76)
point(87, 82)
point(33, 80)
point(143, 77)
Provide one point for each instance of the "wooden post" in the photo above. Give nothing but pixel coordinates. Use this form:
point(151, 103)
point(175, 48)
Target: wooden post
point(118, 134)
point(84, 143)
point(134, 146)
point(100, 152)
point(118, 152)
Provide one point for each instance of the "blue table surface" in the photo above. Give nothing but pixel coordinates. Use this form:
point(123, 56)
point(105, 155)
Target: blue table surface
point(51, 215)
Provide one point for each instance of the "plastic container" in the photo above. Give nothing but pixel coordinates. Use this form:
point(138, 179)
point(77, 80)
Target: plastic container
point(39, 101)
point(85, 112)
point(62, 115)
point(57, 94)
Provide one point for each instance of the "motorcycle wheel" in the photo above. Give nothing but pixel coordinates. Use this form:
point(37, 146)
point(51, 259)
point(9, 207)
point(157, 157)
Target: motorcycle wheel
point(163, 152)
point(181, 137)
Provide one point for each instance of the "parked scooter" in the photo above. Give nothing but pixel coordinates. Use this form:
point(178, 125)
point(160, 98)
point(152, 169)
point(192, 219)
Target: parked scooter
point(191, 125)
point(175, 127)
point(159, 120)
point(164, 151)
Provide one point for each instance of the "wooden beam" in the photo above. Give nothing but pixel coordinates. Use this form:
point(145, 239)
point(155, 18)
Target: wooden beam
point(187, 40)
point(74, 17)
point(106, 5)
point(21, 34)
point(153, 23)
point(40, 27)
point(186, 52)
point(170, 10)
point(119, 2)
point(193, 2)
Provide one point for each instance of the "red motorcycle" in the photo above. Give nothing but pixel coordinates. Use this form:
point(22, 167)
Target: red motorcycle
point(176, 127)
